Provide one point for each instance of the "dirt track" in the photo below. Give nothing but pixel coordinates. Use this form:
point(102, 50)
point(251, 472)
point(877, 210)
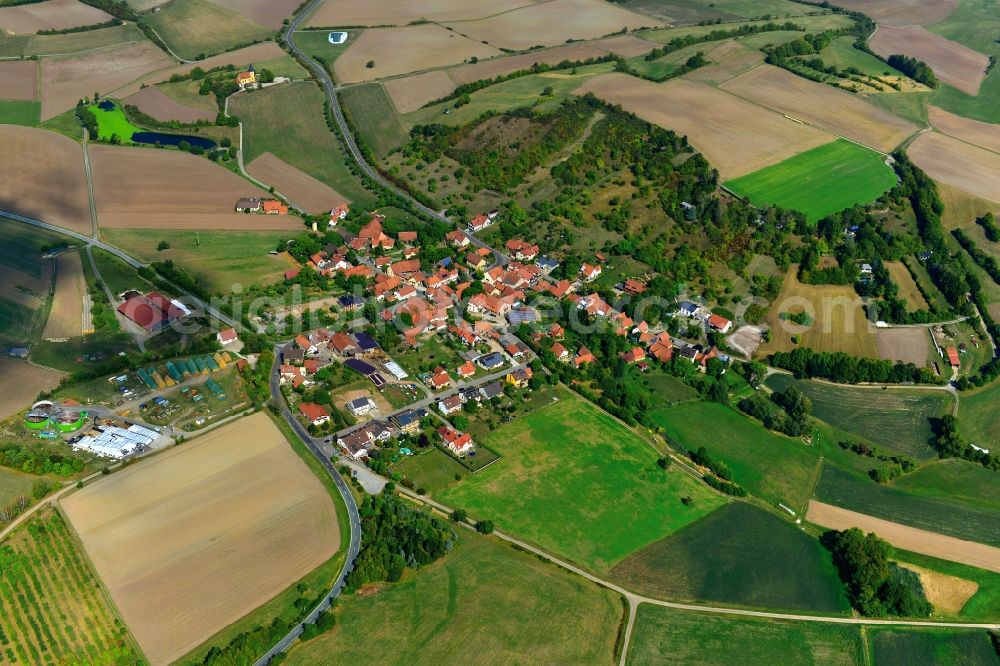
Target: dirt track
point(51, 15)
point(737, 137)
point(190, 541)
point(145, 188)
point(66, 315)
point(954, 64)
point(907, 538)
point(19, 80)
point(300, 187)
point(43, 177)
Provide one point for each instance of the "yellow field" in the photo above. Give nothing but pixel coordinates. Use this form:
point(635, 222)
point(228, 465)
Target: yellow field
point(192, 540)
point(907, 287)
point(838, 322)
point(66, 315)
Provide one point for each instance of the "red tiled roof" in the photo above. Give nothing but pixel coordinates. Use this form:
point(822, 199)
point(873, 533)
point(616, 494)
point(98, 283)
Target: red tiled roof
point(312, 411)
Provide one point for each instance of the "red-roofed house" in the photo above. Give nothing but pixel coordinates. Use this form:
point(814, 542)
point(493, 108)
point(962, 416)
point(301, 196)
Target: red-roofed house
point(634, 355)
point(407, 236)
point(634, 287)
point(466, 370)
point(460, 443)
point(583, 357)
point(521, 250)
point(720, 324)
point(457, 239)
point(273, 207)
point(479, 222)
point(314, 413)
point(440, 379)
point(227, 336)
point(561, 353)
point(590, 272)
point(338, 213)
point(953, 357)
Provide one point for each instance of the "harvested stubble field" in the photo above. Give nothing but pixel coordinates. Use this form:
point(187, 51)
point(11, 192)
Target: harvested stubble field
point(66, 314)
point(896, 419)
point(146, 188)
point(75, 42)
point(52, 607)
point(18, 80)
point(305, 191)
point(23, 383)
point(241, 57)
point(488, 69)
point(153, 102)
point(519, 608)
point(908, 289)
point(821, 181)
point(50, 15)
point(404, 12)
point(66, 80)
point(210, 530)
point(976, 132)
point(835, 110)
point(947, 594)
point(199, 27)
point(268, 13)
point(668, 636)
point(409, 93)
point(575, 481)
point(758, 559)
point(957, 163)
point(838, 320)
point(402, 50)
point(902, 12)
point(44, 178)
point(909, 345)
point(551, 23)
point(627, 46)
point(726, 59)
point(737, 137)
point(954, 64)
point(908, 538)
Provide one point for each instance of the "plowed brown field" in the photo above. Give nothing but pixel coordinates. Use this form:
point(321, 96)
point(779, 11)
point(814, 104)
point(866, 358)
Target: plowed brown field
point(959, 164)
point(954, 64)
point(192, 540)
point(737, 137)
point(51, 15)
point(304, 190)
point(902, 12)
point(404, 12)
point(19, 79)
point(23, 383)
point(153, 102)
point(822, 105)
point(145, 188)
point(43, 177)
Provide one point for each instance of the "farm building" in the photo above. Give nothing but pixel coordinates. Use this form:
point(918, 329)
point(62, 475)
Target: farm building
point(953, 358)
point(227, 336)
point(248, 205)
point(273, 207)
point(153, 311)
point(117, 443)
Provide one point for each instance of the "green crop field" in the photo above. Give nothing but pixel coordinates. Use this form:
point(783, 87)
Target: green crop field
point(52, 606)
point(951, 515)
point(432, 469)
point(315, 43)
point(897, 420)
point(757, 560)
point(773, 467)
point(978, 415)
point(516, 93)
point(373, 115)
point(928, 647)
point(483, 603)
point(957, 480)
point(820, 181)
point(216, 258)
point(578, 483)
point(19, 112)
point(842, 55)
point(197, 28)
point(186, 93)
point(984, 606)
point(281, 120)
point(117, 275)
point(14, 484)
point(668, 636)
point(112, 122)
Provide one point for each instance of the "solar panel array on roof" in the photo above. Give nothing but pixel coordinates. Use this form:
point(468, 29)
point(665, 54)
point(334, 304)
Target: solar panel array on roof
point(360, 366)
point(378, 380)
point(366, 342)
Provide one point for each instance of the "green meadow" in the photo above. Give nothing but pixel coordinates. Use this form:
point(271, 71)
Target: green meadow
point(820, 181)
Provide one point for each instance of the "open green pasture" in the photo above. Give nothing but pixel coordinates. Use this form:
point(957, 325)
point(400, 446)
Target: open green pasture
point(953, 515)
point(897, 420)
point(820, 181)
point(194, 29)
point(905, 646)
point(577, 482)
point(483, 603)
point(775, 468)
point(668, 636)
point(757, 559)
